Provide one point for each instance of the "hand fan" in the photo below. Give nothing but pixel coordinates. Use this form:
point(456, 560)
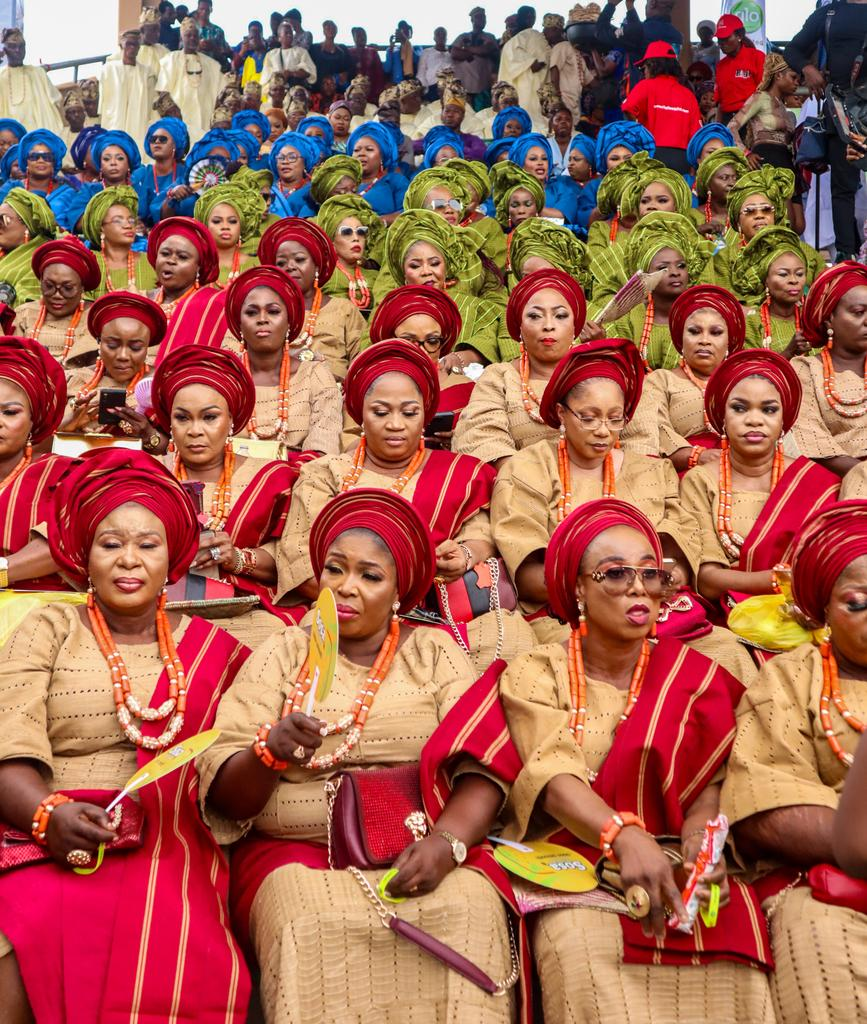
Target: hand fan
point(635, 291)
point(206, 173)
point(323, 647)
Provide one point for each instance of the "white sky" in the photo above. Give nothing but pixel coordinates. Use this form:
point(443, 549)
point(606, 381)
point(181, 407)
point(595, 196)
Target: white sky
point(62, 30)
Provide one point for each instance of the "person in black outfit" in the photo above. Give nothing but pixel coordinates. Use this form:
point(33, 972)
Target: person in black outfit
point(846, 25)
point(169, 37)
point(331, 59)
point(637, 34)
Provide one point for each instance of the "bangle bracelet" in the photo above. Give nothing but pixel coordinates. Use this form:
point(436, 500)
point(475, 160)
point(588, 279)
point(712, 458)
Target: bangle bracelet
point(260, 749)
point(780, 568)
point(694, 456)
point(691, 835)
point(238, 567)
point(468, 555)
point(612, 829)
point(42, 815)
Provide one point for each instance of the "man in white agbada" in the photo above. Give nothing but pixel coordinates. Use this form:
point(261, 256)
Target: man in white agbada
point(193, 79)
point(126, 90)
point(26, 92)
point(293, 62)
point(152, 51)
point(524, 62)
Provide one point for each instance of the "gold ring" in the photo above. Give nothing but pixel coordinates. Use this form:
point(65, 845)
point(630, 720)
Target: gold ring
point(299, 752)
point(127, 428)
point(78, 858)
point(637, 902)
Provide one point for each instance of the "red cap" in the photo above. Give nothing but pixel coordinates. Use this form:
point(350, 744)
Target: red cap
point(657, 49)
point(728, 25)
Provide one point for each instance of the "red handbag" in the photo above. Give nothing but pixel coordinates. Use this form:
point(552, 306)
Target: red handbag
point(373, 816)
point(19, 849)
point(831, 885)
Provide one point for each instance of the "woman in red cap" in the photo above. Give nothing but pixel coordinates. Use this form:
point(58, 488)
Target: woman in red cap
point(116, 683)
point(184, 256)
point(200, 397)
point(707, 324)
point(621, 740)
point(430, 319)
point(545, 314)
point(832, 425)
point(126, 326)
point(393, 392)
point(298, 403)
point(750, 501)
point(592, 395)
point(798, 729)
point(65, 270)
point(32, 400)
point(374, 551)
point(332, 325)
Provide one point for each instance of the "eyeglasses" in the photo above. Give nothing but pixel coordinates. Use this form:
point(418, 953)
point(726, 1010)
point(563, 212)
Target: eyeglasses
point(761, 208)
point(67, 290)
point(35, 155)
point(620, 578)
point(159, 138)
point(287, 158)
point(122, 222)
point(347, 232)
point(442, 204)
point(431, 344)
point(595, 422)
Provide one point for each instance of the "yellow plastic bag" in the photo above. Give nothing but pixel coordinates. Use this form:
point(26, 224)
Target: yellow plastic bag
point(766, 621)
point(16, 605)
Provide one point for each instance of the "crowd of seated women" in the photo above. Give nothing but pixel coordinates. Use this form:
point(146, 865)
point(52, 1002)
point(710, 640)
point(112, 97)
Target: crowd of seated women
point(594, 516)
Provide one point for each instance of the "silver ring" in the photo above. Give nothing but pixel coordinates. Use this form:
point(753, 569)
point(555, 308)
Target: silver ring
point(79, 858)
point(299, 753)
point(214, 552)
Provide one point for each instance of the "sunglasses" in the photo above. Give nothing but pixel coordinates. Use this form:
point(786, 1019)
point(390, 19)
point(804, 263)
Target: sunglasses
point(619, 578)
point(34, 157)
point(442, 204)
point(762, 208)
point(159, 138)
point(348, 232)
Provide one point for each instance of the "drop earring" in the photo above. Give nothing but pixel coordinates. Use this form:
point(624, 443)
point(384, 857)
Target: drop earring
point(582, 620)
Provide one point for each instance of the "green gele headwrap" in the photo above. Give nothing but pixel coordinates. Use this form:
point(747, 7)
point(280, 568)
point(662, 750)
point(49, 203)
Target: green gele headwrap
point(777, 183)
point(330, 173)
point(506, 177)
point(424, 226)
point(96, 210)
point(37, 215)
point(718, 159)
point(556, 244)
point(474, 173)
point(609, 198)
point(667, 231)
point(750, 269)
point(673, 181)
point(337, 208)
point(434, 177)
point(246, 200)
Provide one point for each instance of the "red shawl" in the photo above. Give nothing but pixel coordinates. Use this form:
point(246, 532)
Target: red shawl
point(455, 398)
point(475, 727)
point(198, 320)
point(26, 503)
point(145, 938)
point(450, 489)
point(258, 516)
point(661, 758)
point(803, 491)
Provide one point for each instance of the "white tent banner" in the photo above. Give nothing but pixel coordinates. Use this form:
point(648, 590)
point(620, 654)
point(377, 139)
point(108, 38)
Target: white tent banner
point(752, 14)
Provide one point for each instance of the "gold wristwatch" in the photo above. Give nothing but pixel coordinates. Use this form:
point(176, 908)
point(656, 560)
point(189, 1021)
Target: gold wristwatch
point(459, 849)
point(4, 573)
point(152, 441)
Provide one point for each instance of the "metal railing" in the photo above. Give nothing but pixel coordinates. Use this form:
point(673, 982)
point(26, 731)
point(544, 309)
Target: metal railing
point(61, 65)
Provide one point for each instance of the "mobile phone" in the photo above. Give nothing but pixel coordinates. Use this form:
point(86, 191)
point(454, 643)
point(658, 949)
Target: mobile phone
point(110, 398)
point(442, 423)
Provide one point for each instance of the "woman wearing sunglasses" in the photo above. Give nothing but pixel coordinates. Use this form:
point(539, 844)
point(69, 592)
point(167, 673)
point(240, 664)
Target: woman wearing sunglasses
point(357, 234)
point(622, 741)
point(590, 398)
point(167, 142)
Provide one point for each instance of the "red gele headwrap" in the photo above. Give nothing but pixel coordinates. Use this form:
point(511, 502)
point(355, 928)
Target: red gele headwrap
point(395, 521)
point(824, 294)
point(391, 356)
point(527, 287)
point(215, 368)
point(265, 277)
point(616, 359)
point(752, 363)
point(103, 480)
point(127, 304)
point(822, 550)
point(304, 232)
point(32, 368)
point(197, 235)
point(411, 300)
point(708, 296)
point(572, 538)
point(68, 252)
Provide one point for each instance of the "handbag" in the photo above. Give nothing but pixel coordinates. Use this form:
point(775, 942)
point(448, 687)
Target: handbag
point(19, 849)
point(831, 885)
point(484, 588)
point(373, 816)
